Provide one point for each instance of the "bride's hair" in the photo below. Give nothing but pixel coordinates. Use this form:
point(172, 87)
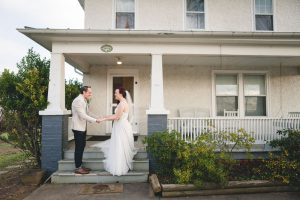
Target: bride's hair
point(122, 91)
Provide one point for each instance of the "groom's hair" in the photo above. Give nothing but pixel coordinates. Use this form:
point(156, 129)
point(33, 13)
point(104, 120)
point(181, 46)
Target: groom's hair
point(84, 89)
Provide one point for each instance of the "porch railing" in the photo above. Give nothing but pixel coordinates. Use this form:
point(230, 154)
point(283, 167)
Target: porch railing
point(261, 129)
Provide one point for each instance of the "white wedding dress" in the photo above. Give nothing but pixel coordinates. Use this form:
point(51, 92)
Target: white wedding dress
point(119, 150)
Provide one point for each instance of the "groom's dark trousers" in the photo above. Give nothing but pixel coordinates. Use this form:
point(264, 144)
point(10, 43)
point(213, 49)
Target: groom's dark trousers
point(80, 141)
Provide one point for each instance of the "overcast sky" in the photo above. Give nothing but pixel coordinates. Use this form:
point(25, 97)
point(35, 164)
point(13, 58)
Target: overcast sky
point(38, 14)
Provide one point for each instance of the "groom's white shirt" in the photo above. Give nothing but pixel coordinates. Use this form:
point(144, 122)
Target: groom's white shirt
point(80, 114)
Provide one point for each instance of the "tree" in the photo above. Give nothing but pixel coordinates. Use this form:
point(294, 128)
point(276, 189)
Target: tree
point(72, 90)
point(23, 95)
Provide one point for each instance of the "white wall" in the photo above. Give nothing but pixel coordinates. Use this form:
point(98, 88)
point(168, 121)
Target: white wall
point(190, 87)
point(221, 15)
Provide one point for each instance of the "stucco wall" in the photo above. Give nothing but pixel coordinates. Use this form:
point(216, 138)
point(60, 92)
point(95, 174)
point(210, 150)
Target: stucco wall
point(98, 14)
point(221, 15)
point(189, 87)
point(160, 15)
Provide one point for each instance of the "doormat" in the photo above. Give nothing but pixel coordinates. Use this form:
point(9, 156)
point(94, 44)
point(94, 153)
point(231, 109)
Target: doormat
point(101, 188)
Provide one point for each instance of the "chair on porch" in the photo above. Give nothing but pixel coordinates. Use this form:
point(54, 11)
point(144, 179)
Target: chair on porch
point(231, 113)
point(293, 114)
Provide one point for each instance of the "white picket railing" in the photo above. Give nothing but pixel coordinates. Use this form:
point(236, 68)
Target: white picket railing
point(261, 129)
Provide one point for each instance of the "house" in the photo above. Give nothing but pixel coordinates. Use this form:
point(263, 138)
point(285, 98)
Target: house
point(232, 63)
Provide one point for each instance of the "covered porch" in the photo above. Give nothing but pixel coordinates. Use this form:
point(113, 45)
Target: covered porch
point(171, 71)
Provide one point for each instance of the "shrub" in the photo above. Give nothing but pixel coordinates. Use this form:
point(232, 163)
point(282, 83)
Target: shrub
point(196, 161)
point(284, 167)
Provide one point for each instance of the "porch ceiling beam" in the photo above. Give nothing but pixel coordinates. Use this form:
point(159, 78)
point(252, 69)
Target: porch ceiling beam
point(176, 49)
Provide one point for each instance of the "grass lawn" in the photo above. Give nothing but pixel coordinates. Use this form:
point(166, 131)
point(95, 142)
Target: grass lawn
point(10, 155)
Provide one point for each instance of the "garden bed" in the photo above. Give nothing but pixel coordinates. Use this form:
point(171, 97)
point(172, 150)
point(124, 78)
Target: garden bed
point(233, 187)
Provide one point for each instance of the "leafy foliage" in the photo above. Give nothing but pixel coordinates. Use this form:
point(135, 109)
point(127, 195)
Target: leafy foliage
point(72, 89)
point(22, 96)
point(285, 166)
point(196, 162)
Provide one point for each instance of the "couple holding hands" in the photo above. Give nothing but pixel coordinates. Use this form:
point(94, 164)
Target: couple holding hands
point(119, 149)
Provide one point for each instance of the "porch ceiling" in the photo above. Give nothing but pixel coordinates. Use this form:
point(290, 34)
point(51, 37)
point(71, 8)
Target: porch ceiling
point(84, 61)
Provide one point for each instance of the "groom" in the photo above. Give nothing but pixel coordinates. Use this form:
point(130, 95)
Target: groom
point(80, 117)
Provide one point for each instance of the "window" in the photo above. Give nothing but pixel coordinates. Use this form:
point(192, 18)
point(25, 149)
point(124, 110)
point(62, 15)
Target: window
point(264, 15)
point(226, 93)
point(125, 14)
point(255, 95)
point(195, 14)
point(241, 93)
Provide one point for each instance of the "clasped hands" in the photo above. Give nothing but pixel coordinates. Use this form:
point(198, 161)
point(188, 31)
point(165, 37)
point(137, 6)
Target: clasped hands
point(101, 119)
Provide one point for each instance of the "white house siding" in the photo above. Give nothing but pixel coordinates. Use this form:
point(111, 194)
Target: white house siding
point(98, 14)
point(160, 14)
point(229, 15)
point(221, 15)
point(287, 15)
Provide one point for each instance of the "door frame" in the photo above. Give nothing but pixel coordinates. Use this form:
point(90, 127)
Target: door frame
point(121, 73)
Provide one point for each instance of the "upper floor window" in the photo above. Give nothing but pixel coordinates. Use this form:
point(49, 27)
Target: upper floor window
point(195, 16)
point(264, 15)
point(125, 14)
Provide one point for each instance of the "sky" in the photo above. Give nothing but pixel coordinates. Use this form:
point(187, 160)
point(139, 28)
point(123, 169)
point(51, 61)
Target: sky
point(37, 14)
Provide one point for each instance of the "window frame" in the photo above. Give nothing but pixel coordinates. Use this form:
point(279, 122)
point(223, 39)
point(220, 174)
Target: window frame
point(185, 17)
point(114, 23)
point(273, 15)
point(241, 93)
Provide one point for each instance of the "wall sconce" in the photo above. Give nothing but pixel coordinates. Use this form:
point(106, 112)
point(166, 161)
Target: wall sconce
point(119, 62)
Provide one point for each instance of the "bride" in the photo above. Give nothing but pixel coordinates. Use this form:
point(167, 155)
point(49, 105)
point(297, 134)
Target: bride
point(119, 149)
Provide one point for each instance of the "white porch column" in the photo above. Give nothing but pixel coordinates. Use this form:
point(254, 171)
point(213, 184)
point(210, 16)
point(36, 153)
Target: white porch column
point(157, 87)
point(56, 88)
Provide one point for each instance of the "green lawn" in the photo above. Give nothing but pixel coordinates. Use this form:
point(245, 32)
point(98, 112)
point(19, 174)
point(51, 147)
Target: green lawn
point(9, 158)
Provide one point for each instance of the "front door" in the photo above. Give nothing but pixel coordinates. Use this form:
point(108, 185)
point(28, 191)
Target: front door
point(129, 82)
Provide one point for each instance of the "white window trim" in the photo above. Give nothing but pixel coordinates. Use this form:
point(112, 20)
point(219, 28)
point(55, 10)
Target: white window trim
point(241, 96)
point(254, 20)
point(184, 17)
point(114, 13)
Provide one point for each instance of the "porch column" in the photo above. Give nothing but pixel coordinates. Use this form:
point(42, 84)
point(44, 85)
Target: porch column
point(157, 114)
point(55, 116)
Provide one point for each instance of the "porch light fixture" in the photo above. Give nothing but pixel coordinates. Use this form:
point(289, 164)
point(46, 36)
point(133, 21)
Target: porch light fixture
point(119, 62)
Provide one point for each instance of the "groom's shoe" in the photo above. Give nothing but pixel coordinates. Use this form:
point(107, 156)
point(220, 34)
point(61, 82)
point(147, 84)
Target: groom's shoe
point(81, 170)
point(86, 168)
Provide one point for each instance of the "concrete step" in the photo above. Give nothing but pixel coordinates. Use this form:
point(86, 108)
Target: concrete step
point(94, 153)
point(98, 177)
point(97, 164)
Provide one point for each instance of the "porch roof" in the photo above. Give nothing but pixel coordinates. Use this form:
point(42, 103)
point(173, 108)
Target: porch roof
point(45, 37)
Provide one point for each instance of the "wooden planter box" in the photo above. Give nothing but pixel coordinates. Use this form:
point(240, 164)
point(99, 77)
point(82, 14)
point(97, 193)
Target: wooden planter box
point(233, 187)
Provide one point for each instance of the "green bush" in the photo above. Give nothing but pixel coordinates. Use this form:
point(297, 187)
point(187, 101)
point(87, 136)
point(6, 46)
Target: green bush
point(284, 167)
point(196, 161)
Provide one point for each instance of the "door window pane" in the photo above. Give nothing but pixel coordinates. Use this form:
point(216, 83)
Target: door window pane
point(254, 85)
point(226, 85)
point(255, 106)
point(125, 82)
point(227, 103)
